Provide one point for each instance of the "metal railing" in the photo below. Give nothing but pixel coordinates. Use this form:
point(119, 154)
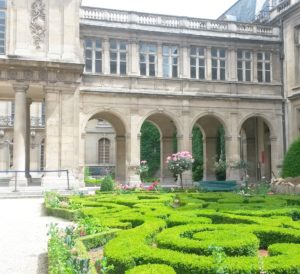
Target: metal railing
point(35, 122)
point(15, 174)
point(6, 121)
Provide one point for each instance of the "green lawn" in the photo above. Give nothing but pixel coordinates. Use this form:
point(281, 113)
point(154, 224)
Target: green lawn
point(184, 232)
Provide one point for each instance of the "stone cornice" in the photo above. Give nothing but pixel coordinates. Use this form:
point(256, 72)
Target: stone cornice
point(36, 71)
point(182, 95)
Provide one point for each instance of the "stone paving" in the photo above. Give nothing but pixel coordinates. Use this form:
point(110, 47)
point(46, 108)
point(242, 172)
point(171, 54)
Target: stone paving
point(23, 236)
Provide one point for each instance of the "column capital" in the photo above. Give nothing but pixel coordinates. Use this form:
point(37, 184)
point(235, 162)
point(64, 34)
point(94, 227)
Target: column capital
point(20, 87)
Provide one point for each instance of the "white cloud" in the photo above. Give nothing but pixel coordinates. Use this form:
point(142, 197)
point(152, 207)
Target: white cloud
point(200, 8)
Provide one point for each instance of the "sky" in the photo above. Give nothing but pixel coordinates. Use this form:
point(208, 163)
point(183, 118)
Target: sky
point(201, 8)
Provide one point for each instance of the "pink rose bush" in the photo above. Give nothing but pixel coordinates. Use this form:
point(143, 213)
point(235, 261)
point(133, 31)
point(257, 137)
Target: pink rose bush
point(178, 163)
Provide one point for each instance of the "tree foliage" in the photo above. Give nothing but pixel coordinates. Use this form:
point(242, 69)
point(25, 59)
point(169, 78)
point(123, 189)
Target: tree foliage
point(150, 147)
point(197, 154)
point(291, 162)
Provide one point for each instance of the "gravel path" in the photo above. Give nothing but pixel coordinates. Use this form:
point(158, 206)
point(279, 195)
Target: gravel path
point(23, 236)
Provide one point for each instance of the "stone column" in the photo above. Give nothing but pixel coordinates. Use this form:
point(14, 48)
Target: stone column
point(166, 150)
point(233, 149)
point(185, 143)
point(121, 158)
point(133, 148)
point(27, 155)
point(20, 124)
point(261, 148)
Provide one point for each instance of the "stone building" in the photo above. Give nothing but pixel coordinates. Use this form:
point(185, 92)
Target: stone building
point(68, 70)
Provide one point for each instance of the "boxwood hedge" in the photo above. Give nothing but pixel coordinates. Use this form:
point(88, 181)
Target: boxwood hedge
point(164, 233)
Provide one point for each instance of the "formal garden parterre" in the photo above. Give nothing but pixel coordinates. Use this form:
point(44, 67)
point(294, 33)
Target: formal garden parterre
point(177, 232)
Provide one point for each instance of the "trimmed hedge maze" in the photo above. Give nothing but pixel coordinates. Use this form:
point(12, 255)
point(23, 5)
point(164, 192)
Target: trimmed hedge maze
point(192, 232)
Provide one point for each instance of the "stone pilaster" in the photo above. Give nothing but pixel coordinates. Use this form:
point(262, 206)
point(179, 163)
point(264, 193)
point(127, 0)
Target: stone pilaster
point(208, 63)
point(185, 62)
point(159, 60)
point(20, 125)
point(105, 56)
point(133, 58)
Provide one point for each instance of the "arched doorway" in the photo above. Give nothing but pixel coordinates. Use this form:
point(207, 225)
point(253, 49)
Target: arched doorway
point(255, 148)
point(210, 134)
point(163, 134)
point(105, 146)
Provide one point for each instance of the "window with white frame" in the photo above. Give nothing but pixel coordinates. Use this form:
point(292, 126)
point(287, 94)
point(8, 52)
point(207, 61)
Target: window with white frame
point(197, 62)
point(118, 57)
point(2, 26)
point(93, 55)
point(218, 64)
point(148, 57)
point(244, 65)
point(264, 67)
point(104, 151)
point(170, 61)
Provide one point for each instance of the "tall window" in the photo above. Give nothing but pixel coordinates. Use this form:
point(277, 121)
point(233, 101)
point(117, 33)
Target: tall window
point(244, 64)
point(42, 155)
point(170, 61)
point(218, 62)
point(2, 26)
point(93, 55)
point(264, 67)
point(118, 57)
point(12, 113)
point(104, 151)
point(197, 62)
point(148, 56)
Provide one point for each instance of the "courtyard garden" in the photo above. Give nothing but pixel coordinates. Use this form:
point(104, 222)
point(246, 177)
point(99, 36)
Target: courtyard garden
point(175, 232)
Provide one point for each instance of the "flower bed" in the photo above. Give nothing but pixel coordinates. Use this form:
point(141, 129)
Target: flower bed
point(189, 232)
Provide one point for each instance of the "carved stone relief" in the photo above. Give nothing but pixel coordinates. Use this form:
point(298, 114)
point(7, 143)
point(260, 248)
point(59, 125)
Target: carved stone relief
point(38, 23)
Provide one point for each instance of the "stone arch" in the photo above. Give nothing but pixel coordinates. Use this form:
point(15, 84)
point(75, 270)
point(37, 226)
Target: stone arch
point(168, 114)
point(257, 131)
point(265, 118)
point(113, 117)
point(119, 131)
point(167, 125)
point(216, 115)
point(209, 124)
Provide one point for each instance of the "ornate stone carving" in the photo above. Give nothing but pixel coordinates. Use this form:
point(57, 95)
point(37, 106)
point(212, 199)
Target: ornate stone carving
point(38, 23)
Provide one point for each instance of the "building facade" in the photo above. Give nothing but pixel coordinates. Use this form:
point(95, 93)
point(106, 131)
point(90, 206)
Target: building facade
point(77, 84)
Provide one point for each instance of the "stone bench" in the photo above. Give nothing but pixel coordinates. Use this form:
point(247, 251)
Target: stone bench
point(218, 185)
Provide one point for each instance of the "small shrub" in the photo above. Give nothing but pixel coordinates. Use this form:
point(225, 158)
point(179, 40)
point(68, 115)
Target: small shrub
point(108, 184)
point(291, 162)
point(152, 269)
